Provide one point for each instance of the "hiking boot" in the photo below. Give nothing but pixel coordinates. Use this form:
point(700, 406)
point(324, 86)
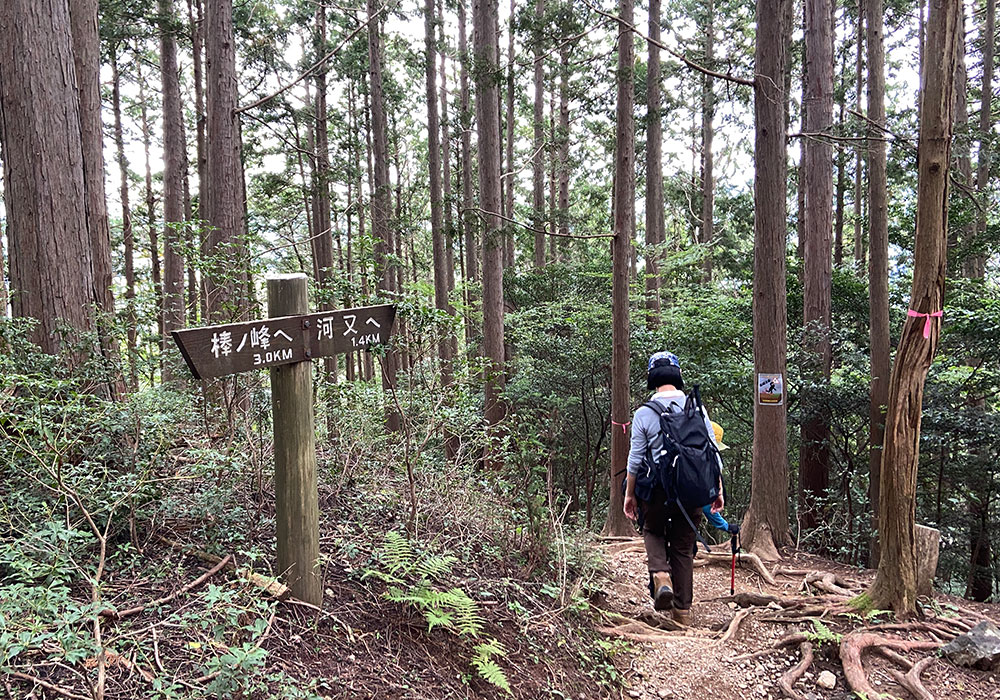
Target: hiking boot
point(663, 596)
point(682, 617)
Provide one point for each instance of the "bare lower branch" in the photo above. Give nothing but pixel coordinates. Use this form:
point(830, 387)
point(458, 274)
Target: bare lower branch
point(729, 77)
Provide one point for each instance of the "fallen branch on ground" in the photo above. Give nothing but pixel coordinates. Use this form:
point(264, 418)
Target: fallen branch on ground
point(271, 586)
point(48, 686)
point(792, 675)
point(115, 615)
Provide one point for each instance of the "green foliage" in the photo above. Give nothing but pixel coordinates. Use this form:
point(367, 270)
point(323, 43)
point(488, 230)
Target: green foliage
point(821, 634)
point(414, 577)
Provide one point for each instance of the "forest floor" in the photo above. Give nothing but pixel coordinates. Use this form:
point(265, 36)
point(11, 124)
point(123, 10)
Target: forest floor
point(696, 663)
point(477, 600)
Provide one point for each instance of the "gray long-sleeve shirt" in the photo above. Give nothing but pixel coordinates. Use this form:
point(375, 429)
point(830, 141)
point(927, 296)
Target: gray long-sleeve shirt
point(646, 427)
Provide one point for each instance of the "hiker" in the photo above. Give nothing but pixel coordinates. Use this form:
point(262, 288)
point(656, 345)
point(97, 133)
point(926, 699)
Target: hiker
point(669, 533)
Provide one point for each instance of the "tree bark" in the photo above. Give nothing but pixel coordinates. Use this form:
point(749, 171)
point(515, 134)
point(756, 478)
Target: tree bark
point(538, 144)
point(707, 132)
point(174, 157)
point(196, 22)
point(468, 217)
point(507, 180)
point(989, 33)
point(817, 171)
point(87, 57)
point(488, 129)
point(563, 141)
point(51, 262)
point(438, 234)
point(895, 583)
point(878, 270)
point(381, 201)
point(654, 168)
point(859, 241)
point(128, 237)
point(766, 524)
point(624, 219)
point(225, 245)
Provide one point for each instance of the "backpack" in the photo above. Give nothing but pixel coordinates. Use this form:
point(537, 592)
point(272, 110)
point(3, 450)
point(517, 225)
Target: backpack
point(688, 465)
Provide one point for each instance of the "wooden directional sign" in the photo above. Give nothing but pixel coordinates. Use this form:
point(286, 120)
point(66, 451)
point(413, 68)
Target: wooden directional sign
point(215, 351)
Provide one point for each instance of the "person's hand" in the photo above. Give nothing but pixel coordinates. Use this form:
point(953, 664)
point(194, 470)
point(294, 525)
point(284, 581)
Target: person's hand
point(734, 529)
point(631, 508)
point(718, 504)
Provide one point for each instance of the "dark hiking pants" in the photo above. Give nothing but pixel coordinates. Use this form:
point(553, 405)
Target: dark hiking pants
point(670, 543)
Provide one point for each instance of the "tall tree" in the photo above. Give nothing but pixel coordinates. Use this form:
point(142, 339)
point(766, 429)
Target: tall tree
point(507, 179)
point(766, 523)
point(563, 141)
point(895, 583)
point(439, 247)
point(981, 568)
point(174, 168)
point(654, 167)
point(128, 236)
point(538, 144)
point(52, 268)
point(707, 132)
point(623, 206)
point(988, 32)
point(817, 171)
point(484, 16)
point(468, 217)
point(322, 229)
point(225, 244)
point(859, 239)
point(878, 256)
point(87, 57)
point(381, 202)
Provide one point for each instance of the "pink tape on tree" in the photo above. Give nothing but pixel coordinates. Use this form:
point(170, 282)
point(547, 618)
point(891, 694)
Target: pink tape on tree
point(623, 425)
point(927, 322)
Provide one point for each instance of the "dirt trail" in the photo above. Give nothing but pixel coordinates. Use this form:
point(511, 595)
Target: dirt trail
point(682, 667)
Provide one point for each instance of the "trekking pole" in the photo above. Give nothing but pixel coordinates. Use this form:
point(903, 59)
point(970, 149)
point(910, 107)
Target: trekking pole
point(734, 541)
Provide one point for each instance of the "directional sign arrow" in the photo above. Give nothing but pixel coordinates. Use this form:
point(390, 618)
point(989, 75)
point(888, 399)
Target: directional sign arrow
point(215, 351)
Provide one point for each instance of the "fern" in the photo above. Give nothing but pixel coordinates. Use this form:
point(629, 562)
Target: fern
point(434, 567)
point(823, 634)
point(411, 577)
point(397, 552)
point(487, 668)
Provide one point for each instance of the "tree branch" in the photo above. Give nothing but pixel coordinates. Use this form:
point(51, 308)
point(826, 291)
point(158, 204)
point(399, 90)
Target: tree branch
point(729, 77)
point(313, 68)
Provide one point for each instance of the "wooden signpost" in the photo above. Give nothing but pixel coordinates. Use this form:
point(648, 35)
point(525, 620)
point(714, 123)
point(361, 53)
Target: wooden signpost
point(286, 342)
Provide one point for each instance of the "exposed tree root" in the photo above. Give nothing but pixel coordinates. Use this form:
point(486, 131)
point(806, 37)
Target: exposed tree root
point(786, 641)
point(911, 679)
point(749, 600)
point(851, 648)
point(792, 675)
point(734, 626)
point(658, 620)
point(748, 561)
point(828, 583)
